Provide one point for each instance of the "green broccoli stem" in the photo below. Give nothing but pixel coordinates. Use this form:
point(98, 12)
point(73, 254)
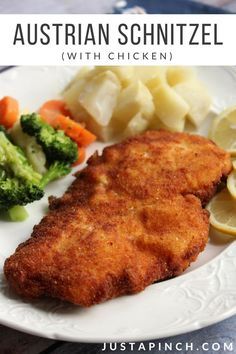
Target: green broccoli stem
point(18, 213)
point(14, 158)
point(56, 170)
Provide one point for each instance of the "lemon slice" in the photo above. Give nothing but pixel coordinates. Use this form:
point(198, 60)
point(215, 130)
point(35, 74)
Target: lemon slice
point(223, 131)
point(222, 210)
point(231, 184)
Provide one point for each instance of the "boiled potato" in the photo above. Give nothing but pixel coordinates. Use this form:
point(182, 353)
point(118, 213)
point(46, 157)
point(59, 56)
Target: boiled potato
point(124, 73)
point(116, 101)
point(71, 97)
point(157, 124)
point(146, 73)
point(102, 133)
point(99, 96)
point(136, 125)
point(198, 99)
point(176, 75)
point(155, 82)
point(83, 72)
point(170, 107)
point(136, 98)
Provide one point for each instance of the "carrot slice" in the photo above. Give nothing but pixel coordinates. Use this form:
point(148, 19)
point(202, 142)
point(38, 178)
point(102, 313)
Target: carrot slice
point(53, 108)
point(55, 113)
point(81, 156)
point(74, 130)
point(9, 111)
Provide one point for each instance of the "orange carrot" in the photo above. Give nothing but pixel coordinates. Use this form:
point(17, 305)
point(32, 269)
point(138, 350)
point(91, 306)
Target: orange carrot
point(74, 130)
point(55, 113)
point(9, 111)
point(81, 156)
point(53, 108)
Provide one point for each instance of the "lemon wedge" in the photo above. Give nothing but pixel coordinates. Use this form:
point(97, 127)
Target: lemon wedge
point(223, 130)
point(234, 164)
point(231, 183)
point(222, 210)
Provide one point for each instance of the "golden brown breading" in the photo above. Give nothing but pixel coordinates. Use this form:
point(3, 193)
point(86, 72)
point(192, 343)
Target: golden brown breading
point(133, 216)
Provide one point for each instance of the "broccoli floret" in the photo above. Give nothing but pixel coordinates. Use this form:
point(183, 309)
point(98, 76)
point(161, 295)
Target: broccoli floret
point(19, 183)
point(2, 129)
point(13, 159)
point(55, 144)
point(56, 170)
point(33, 151)
point(16, 192)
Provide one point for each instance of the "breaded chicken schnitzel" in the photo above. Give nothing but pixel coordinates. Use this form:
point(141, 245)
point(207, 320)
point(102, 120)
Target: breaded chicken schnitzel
point(133, 216)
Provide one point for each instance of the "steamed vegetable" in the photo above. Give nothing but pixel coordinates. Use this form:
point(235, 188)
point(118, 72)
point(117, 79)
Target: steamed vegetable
point(51, 109)
point(18, 213)
point(56, 114)
point(60, 151)
point(55, 144)
point(56, 170)
point(9, 111)
point(74, 130)
point(19, 183)
point(81, 157)
point(31, 148)
point(41, 154)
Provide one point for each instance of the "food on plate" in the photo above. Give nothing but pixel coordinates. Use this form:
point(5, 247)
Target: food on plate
point(35, 151)
point(146, 73)
point(99, 96)
point(133, 216)
point(136, 125)
point(53, 108)
point(71, 97)
point(74, 130)
point(55, 144)
point(153, 83)
point(134, 99)
point(81, 157)
point(223, 130)
point(9, 111)
point(125, 74)
point(60, 151)
point(107, 98)
point(179, 74)
point(222, 210)
point(197, 98)
point(19, 183)
point(231, 183)
point(223, 205)
point(170, 107)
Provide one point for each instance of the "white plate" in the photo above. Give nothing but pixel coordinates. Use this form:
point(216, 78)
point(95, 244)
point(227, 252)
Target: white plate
point(203, 295)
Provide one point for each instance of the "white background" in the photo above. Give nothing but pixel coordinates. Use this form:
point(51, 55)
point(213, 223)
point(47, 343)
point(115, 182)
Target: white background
point(182, 55)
